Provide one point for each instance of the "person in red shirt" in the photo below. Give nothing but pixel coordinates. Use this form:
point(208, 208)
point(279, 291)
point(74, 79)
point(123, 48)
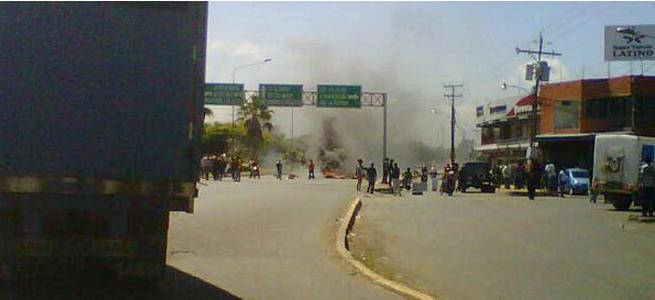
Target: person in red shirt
point(311, 169)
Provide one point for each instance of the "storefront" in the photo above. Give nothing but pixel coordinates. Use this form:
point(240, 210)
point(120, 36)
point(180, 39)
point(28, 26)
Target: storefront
point(567, 150)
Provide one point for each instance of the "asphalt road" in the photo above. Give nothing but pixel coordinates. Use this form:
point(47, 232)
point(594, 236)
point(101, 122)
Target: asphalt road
point(482, 246)
point(257, 239)
point(270, 239)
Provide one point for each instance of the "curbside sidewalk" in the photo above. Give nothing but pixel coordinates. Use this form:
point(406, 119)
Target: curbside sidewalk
point(343, 248)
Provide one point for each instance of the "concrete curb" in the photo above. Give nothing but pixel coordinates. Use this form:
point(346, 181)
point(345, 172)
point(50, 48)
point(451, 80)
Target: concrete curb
point(342, 246)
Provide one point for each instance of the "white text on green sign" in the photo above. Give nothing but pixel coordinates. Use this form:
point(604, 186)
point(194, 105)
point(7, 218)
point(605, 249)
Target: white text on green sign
point(224, 93)
point(339, 96)
point(281, 94)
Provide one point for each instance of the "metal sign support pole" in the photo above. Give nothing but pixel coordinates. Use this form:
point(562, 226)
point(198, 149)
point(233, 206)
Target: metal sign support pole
point(384, 126)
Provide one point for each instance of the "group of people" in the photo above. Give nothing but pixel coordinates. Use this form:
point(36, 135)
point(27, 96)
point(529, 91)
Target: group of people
point(219, 165)
point(392, 176)
point(509, 174)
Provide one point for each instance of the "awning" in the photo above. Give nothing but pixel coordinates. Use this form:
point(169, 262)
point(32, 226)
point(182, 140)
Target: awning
point(502, 146)
point(569, 137)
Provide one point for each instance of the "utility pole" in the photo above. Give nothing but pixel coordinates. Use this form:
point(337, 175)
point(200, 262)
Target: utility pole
point(539, 75)
point(452, 97)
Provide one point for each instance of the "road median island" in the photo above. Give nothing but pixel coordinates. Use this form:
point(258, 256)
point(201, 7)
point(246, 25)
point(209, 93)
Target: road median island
point(342, 245)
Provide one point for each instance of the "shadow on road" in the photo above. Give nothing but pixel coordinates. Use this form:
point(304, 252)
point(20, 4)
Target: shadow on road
point(176, 285)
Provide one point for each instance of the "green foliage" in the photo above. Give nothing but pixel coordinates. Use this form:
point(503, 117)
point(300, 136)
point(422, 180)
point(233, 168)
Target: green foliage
point(291, 153)
point(216, 138)
point(254, 116)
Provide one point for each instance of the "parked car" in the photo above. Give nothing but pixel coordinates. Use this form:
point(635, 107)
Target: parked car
point(577, 181)
point(476, 175)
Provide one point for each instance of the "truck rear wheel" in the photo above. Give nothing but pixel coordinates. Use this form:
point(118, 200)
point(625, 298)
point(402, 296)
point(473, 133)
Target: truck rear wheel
point(621, 202)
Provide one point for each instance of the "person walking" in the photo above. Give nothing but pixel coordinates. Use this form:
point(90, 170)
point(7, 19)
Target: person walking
point(647, 184)
point(310, 167)
point(395, 180)
point(278, 166)
point(359, 173)
point(371, 175)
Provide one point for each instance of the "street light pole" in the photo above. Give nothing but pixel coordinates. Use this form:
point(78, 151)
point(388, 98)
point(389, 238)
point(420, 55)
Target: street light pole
point(234, 78)
point(504, 86)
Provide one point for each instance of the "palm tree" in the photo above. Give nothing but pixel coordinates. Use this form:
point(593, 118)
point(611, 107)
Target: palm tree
point(255, 115)
point(207, 112)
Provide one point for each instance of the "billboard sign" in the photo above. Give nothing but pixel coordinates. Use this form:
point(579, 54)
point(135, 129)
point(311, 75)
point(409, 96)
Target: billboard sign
point(629, 42)
point(224, 93)
point(281, 94)
point(347, 96)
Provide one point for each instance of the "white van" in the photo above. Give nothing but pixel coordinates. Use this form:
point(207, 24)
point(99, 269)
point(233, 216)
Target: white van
point(617, 160)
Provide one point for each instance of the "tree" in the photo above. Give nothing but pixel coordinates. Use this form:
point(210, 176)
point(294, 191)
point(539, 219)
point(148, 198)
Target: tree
point(216, 138)
point(255, 116)
point(207, 112)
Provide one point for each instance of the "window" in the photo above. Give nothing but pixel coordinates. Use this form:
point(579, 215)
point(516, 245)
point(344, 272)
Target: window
point(566, 115)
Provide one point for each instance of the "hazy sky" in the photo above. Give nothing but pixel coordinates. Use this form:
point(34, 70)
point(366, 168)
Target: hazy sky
point(410, 50)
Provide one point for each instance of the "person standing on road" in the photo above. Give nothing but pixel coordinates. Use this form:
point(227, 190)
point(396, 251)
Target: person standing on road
point(310, 167)
point(385, 170)
point(359, 173)
point(390, 170)
point(278, 166)
point(532, 178)
point(395, 180)
point(507, 175)
point(204, 163)
point(233, 168)
point(220, 165)
point(551, 174)
point(648, 187)
point(371, 175)
point(562, 179)
point(238, 169)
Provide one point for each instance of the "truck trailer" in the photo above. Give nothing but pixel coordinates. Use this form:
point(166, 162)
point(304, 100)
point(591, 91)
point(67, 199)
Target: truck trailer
point(101, 118)
point(617, 162)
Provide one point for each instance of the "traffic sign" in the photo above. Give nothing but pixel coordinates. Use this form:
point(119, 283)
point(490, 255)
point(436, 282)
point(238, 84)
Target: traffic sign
point(348, 96)
point(224, 93)
point(281, 94)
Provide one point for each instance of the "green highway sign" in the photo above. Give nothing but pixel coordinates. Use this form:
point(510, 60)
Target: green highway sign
point(281, 94)
point(224, 93)
point(349, 96)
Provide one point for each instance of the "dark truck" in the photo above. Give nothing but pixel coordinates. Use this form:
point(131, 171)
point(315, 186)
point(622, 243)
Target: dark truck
point(101, 115)
point(477, 175)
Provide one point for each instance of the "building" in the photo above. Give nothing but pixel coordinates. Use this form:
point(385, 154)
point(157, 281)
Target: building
point(505, 126)
point(573, 112)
